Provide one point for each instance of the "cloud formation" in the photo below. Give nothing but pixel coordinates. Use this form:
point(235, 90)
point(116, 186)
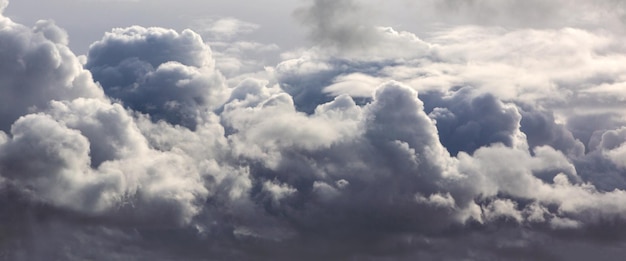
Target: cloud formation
point(477, 143)
point(167, 75)
point(37, 66)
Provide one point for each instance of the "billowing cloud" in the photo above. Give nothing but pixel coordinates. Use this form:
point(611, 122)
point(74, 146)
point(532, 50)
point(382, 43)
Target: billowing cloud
point(168, 75)
point(37, 66)
point(477, 142)
point(613, 146)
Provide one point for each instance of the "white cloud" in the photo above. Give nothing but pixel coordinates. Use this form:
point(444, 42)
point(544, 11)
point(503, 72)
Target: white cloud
point(37, 66)
point(480, 142)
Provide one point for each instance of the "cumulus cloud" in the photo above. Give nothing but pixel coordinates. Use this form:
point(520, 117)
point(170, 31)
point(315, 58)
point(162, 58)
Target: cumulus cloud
point(168, 75)
point(467, 122)
point(478, 142)
point(37, 66)
point(613, 146)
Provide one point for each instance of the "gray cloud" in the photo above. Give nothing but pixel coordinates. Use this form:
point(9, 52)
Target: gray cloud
point(467, 122)
point(37, 66)
point(478, 143)
point(167, 75)
point(341, 24)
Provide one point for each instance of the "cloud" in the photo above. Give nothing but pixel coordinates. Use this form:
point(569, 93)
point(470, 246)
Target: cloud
point(613, 145)
point(167, 75)
point(95, 161)
point(541, 128)
point(152, 45)
point(477, 142)
point(37, 66)
point(337, 23)
point(224, 28)
point(467, 122)
point(525, 14)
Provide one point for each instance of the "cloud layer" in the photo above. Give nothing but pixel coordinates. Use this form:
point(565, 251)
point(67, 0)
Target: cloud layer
point(479, 143)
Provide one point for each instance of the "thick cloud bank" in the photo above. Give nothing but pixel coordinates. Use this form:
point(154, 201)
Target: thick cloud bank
point(479, 143)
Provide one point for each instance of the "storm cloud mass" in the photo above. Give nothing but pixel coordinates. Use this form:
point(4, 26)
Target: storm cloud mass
point(500, 136)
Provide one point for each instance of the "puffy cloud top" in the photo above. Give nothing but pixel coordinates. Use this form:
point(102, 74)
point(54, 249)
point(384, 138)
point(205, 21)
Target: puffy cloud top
point(163, 73)
point(152, 45)
point(36, 67)
point(474, 143)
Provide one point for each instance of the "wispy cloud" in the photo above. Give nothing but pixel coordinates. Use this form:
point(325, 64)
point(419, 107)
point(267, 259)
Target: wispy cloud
point(223, 28)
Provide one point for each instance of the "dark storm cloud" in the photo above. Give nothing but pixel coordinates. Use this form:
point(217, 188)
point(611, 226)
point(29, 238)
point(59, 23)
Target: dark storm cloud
point(322, 157)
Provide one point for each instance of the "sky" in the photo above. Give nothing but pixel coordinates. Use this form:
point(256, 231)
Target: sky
point(312, 130)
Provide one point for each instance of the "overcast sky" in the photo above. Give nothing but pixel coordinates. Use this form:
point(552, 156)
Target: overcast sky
point(312, 130)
